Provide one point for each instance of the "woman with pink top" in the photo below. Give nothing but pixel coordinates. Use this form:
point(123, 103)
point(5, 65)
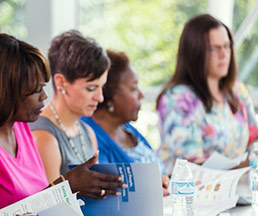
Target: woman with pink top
point(23, 73)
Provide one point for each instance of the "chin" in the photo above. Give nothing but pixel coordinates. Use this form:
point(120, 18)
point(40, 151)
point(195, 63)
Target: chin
point(33, 119)
point(88, 113)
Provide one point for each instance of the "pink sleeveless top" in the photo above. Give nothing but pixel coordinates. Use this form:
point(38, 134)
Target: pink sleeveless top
point(24, 175)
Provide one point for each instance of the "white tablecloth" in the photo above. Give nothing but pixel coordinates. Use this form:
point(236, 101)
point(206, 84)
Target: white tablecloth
point(237, 211)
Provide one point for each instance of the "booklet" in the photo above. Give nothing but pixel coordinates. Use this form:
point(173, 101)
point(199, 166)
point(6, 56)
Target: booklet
point(142, 197)
point(44, 200)
point(215, 190)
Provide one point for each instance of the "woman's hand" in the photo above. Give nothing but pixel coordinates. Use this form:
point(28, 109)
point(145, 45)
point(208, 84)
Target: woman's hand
point(165, 184)
point(93, 184)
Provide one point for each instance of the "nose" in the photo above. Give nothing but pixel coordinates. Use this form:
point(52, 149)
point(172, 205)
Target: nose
point(223, 52)
point(99, 95)
point(140, 94)
point(43, 95)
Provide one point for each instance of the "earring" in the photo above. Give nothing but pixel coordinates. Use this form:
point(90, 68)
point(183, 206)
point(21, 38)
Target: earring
point(110, 108)
point(63, 92)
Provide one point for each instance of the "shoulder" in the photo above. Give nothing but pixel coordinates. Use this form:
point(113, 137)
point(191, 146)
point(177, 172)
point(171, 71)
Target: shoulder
point(241, 90)
point(21, 126)
point(179, 96)
point(131, 129)
point(22, 131)
point(90, 133)
point(179, 92)
point(42, 123)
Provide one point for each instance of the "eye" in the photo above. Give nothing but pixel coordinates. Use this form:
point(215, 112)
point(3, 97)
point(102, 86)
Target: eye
point(91, 88)
point(39, 89)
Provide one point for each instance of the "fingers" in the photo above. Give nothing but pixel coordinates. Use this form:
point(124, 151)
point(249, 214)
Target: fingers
point(165, 192)
point(165, 181)
point(107, 177)
point(100, 193)
point(89, 163)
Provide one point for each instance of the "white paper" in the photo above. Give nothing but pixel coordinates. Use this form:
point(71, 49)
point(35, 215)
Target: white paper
point(218, 161)
point(61, 209)
point(43, 200)
point(215, 190)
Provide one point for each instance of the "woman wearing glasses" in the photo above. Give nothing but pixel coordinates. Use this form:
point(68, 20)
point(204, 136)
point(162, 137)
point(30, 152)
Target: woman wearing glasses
point(202, 108)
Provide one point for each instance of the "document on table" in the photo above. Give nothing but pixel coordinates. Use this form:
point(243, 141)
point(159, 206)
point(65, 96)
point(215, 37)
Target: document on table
point(215, 190)
point(48, 198)
point(143, 196)
point(218, 161)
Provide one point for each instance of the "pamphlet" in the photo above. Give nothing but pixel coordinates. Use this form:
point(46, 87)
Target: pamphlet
point(48, 198)
point(219, 161)
point(215, 190)
point(143, 196)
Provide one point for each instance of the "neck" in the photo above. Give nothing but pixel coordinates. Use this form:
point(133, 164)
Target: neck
point(66, 116)
point(108, 122)
point(217, 94)
point(7, 138)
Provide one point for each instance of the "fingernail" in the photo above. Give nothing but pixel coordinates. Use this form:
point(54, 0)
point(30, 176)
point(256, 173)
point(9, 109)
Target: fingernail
point(118, 193)
point(125, 186)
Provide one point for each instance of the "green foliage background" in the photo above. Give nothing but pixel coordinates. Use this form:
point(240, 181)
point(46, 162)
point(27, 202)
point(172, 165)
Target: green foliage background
point(147, 30)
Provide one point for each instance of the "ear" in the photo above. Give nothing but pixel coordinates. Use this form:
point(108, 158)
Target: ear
point(60, 81)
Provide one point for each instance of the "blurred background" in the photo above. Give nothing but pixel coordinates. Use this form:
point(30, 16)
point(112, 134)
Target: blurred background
point(147, 30)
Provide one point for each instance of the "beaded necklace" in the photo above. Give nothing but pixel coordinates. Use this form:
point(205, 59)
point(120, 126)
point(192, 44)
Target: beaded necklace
point(69, 138)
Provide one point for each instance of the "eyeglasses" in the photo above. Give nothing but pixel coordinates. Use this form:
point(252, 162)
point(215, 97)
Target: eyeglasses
point(215, 50)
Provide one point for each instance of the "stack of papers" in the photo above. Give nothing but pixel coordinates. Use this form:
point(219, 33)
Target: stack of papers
point(56, 200)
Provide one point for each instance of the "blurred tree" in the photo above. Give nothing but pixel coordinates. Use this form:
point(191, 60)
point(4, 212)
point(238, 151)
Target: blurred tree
point(12, 19)
point(148, 31)
point(247, 54)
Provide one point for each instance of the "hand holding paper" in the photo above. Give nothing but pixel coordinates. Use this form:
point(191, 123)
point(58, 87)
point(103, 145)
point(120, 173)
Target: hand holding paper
point(93, 184)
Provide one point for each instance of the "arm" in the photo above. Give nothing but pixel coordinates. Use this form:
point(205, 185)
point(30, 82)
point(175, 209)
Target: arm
point(49, 151)
point(244, 96)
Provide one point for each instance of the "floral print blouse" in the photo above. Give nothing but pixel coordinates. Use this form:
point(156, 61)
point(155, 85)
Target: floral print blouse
point(188, 131)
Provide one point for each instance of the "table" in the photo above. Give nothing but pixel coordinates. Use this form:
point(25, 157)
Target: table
point(237, 211)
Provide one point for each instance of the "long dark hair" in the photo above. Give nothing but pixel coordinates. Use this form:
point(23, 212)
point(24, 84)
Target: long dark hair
point(191, 62)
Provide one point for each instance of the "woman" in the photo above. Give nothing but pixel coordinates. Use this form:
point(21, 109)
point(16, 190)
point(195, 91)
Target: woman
point(79, 71)
point(23, 73)
point(202, 108)
point(118, 140)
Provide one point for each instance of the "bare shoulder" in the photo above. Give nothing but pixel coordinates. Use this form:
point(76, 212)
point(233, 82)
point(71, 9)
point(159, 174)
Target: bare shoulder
point(92, 136)
point(44, 139)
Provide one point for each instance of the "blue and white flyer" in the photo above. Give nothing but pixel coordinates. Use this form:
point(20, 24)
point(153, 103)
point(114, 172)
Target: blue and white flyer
point(143, 196)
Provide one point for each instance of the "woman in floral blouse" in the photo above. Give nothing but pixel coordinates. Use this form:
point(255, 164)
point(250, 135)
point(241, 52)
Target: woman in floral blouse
point(203, 108)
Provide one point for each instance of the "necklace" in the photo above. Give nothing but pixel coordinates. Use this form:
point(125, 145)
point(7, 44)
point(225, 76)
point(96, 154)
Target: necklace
point(69, 138)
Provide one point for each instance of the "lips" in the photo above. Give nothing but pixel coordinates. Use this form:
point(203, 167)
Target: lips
point(40, 109)
point(94, 107)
